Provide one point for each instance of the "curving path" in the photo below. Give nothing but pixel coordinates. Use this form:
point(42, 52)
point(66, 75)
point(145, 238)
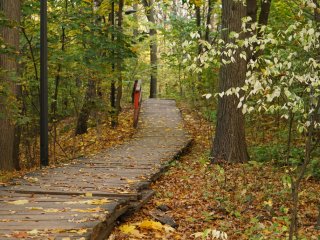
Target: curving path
point(84, 199)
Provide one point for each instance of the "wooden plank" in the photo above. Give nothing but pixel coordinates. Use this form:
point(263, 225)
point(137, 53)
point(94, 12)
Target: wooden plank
point(131, 196)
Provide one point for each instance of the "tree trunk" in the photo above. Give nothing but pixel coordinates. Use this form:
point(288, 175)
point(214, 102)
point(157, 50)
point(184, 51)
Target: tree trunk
point(119, 60)
point(252, 9)
point(198, 21)
point(149, 8)
point(114, 118)
point(265, 12)
point(8, 64)
point(54, 103)
point(88, 104)
point(229, 142)
point(210, 8)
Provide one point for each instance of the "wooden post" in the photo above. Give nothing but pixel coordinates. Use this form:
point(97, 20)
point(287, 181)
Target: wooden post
point(44, 158)
point(137, 97)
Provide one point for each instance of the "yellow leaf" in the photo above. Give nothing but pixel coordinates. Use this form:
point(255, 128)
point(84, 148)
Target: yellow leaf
point(268, 203)
point(33, 232)
point(88, 194)
point(51, 210)
point(168, 228)
point(86, 210)
point(130, 230)
point(35, 208)
point(90, 202)
point(131, 181)
point(127, 229)
point(148, 224)
point(97, 201)
point(19, 202)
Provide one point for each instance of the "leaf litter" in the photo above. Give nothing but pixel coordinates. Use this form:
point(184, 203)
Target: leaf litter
point(226, 201)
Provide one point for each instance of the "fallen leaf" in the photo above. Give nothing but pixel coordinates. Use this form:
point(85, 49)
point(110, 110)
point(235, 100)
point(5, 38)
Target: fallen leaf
point(88, 194)
point(20, 235)
point(33, 232)
point(35, 208)
point(131, 230)
point(168, 228)
point(149, 224)
point(87, 210)
point(19, 202)
point(52, 210)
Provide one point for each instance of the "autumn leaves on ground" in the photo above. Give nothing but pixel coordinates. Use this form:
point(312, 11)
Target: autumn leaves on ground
point(240, 201)
point(199, 199)
point(69, 146)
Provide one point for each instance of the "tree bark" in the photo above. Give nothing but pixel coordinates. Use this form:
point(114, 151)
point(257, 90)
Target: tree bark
point(200, 50)
point(114, 118)
point(8, 63)
point(252, 9)
point(229, 142)
point(54, 103)
point(149, 8)
point(210, 8)
point(119, 60)
point(88, 104)
point(265, 12)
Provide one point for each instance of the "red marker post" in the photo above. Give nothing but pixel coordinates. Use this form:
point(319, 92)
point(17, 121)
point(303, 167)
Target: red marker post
point(137, 98)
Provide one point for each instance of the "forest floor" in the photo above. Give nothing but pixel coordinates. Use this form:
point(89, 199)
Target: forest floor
point(69, 146)
point(245, 201)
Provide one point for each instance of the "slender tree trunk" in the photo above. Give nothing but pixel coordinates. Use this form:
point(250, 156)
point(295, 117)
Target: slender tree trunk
point(252, 9)
point(88, 104)
point(288, 150)
point(114, 118)
point(135, 17)
point(119, 60)
point(154, 62)
point(8, 63)
point(17, 136)
point(265, 12)
point(263, 21)
point(295, 188)
point(229, 142)
point(200, 50)
point(54, 103)
point(210, 8)
point(149, 8)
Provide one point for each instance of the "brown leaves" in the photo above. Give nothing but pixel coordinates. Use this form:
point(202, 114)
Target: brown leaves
point(240, 200)
point(145, 226)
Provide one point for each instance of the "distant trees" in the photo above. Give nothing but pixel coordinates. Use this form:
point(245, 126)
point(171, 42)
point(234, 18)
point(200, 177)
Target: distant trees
point(9, 134)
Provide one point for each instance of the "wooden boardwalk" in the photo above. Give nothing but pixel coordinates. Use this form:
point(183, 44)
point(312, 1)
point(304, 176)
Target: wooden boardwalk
point(83, 199)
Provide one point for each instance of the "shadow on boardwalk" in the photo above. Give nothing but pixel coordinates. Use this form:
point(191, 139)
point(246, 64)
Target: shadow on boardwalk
point(83, 200)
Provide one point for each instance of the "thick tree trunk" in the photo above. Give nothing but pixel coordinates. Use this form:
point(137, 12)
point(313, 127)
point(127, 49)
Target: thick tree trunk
point(229, 142)
point(8, 142)
point(149, 8)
